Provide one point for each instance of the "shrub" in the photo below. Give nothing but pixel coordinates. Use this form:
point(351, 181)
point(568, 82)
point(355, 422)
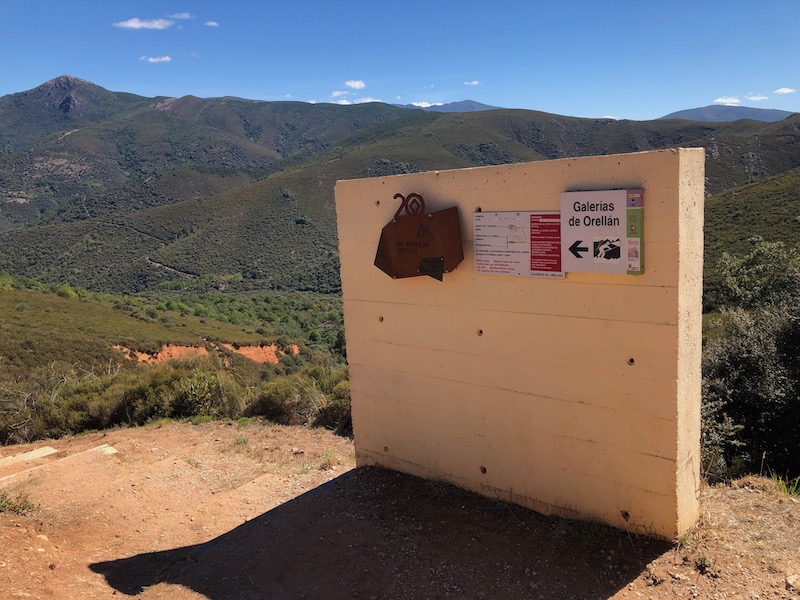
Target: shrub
point(149, 397)
point(317, 396)
point(17, 411)
point(769, 274)
point(341, 390)
point(19, 505)
point(336, 415)
point(208, 394)
point(64, 291)
point(751, 371)
point(751, 403)
point(198, 395)
point(272, 401)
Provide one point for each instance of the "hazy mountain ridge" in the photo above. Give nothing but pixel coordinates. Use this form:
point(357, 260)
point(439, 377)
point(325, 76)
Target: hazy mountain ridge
point(287, 128)
point(451, 107)
point(171, 189)
point(716, 113)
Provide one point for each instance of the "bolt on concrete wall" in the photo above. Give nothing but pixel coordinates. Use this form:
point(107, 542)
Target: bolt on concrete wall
point(579, 396)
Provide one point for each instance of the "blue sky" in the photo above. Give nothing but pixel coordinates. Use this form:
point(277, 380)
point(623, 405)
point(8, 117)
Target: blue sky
point(634, 60)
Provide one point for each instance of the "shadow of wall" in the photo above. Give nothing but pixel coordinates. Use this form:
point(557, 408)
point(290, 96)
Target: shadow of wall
point(373, 533)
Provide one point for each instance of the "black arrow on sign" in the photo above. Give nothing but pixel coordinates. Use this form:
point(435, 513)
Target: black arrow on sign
point(576, 247)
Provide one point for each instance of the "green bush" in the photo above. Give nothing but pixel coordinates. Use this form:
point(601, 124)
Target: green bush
point(751, 368)
point(19, 504)
point(147, 397)
point(336, 415)
point(769, 274)
point(316, 396)
point(751, 403)
point(198, 395)
point(208, 394)
point(273, 399)
point(64, 291)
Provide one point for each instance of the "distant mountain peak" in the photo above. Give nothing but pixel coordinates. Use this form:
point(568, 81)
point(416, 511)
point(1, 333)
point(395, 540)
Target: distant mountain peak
point(67, 94)
point(66, 80)
point(63, 84)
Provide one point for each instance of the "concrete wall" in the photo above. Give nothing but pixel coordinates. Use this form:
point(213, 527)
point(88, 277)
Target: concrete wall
point(523, 388)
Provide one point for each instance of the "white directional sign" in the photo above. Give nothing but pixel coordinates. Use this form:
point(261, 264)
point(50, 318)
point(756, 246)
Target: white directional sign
point(601, 231)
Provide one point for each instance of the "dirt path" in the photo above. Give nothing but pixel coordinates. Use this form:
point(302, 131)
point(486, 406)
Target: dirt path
point(223, 512)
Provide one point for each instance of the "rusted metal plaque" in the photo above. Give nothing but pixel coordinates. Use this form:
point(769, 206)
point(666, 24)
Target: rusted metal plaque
point(420, 243)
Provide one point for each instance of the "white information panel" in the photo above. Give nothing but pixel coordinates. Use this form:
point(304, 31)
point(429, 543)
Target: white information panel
point(518, 243)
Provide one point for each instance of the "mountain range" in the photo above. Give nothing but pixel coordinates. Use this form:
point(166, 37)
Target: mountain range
point(718, 113)
point(458, 107)
point(117, 192)
point(714, 113)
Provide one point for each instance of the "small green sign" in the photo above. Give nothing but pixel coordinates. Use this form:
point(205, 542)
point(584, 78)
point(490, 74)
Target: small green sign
point(635, 231)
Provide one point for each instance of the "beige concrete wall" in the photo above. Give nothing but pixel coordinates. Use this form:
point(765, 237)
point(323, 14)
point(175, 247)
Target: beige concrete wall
point(522, 388)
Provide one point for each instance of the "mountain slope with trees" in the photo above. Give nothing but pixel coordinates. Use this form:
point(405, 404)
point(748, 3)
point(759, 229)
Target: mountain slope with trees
point(120, 193)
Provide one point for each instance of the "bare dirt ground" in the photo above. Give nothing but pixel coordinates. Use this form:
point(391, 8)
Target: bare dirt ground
point(219, 511)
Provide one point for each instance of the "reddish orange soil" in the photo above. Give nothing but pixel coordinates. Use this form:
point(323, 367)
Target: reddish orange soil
point(259, 354)
point(167, 352)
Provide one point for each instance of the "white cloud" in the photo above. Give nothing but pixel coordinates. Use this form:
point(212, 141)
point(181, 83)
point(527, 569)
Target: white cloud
point(364, 100)
point(473, 82)
point(785, 90)
point(426, 104)
point(756, 97)
point(137, 23)
point(728, 100)
point(609, 117)
point(156, 59)
point(344, 102)
point(182, 15)
point(337, 94)
point(355, 84)
point(212, 24)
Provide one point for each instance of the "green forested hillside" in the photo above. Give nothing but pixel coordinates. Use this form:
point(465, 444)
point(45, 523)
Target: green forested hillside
point(769, 209)
point(74, 151)
point(43, 324)
point(60, 372)
point(737, 219)
point(172, 189)
point(287, 128)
